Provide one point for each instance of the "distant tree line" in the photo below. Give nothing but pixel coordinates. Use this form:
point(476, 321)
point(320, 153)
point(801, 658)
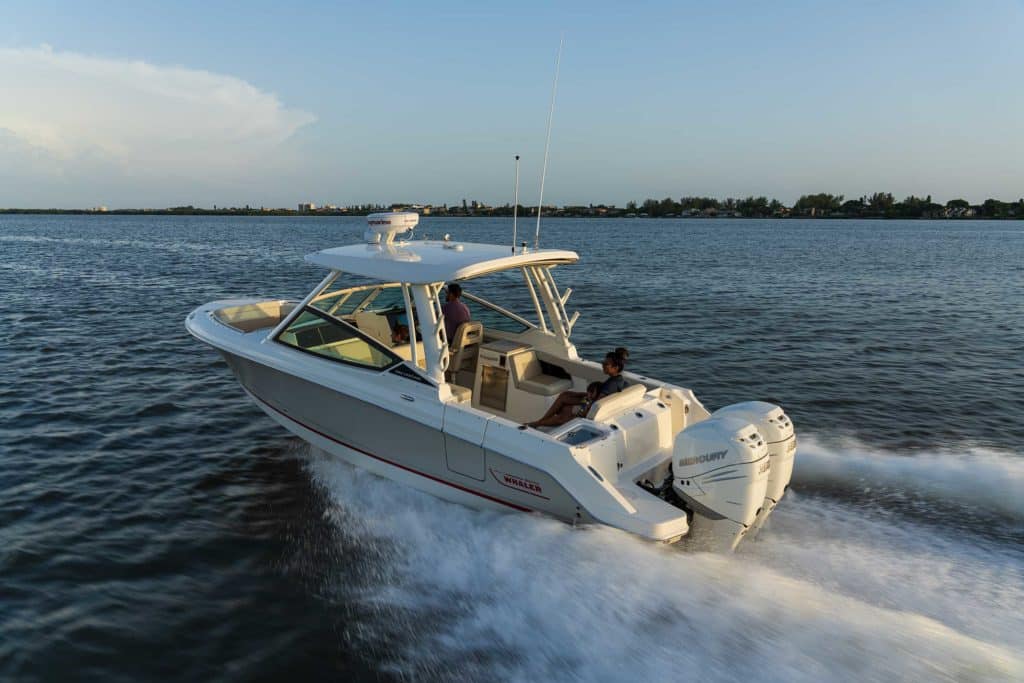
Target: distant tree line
point(877, 205)
point(821, 205)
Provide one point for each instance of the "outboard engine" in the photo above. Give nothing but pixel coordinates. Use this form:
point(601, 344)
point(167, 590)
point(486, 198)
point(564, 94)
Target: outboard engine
point(720, 471)
point(777, 429)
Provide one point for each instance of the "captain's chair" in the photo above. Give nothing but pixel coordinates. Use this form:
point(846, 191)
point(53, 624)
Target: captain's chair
point(463, 351)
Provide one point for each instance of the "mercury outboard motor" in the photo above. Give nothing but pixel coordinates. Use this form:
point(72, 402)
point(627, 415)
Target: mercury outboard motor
point(720, 471)
point(777, 429)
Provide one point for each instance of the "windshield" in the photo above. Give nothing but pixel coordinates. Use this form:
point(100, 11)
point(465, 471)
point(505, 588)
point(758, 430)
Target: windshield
point(375, 298)
point(314, 332)
point(501, 301)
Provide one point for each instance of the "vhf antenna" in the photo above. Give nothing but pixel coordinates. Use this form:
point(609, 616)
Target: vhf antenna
point(515, 208)
point(547, 143)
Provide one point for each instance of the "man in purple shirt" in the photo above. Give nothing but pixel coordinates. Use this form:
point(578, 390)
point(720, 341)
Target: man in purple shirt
point(455, 312)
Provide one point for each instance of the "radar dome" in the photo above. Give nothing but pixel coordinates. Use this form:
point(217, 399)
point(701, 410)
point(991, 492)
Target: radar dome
point(389, 224)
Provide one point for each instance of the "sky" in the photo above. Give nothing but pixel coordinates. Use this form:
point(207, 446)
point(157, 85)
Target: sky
point(154, 104)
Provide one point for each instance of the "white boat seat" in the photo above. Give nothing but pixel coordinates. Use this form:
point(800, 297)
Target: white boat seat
point(252, 317)
point(529, 376)
point(375, 326)
point(464, 347)
point(617, 403)
point(460, 394)
point(404, 351)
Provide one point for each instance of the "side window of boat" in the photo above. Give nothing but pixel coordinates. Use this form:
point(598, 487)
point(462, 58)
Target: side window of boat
point(493, 319)
point(506, 287)
point(316, 333)
point(342, 303)
point(389, 299)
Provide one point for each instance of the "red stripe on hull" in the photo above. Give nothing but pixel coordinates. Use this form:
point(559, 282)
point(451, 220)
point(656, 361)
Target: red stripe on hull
point(392, 463)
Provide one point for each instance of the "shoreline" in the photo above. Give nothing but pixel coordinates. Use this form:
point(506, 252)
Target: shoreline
point(290, 213)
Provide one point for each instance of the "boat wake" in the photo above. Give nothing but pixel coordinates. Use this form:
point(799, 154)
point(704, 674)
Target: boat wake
point(828, 591)
point(975, 489)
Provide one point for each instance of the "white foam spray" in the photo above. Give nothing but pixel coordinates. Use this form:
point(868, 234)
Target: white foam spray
point(981, 479)
point(822, 595)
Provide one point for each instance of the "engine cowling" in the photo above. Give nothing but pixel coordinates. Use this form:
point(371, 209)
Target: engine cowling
point(720, 470)
point(778, 432)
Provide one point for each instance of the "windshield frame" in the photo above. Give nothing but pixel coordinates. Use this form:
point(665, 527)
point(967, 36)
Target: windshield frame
point(501, 311)
point(323, 315)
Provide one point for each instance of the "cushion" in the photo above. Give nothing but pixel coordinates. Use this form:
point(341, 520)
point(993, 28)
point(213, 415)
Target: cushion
point(460, 394)
point(609, 406)
point(529, 376)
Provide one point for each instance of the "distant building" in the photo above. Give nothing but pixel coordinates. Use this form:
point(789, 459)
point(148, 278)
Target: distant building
point(960, 212)
point(306, 208)
point(99, 209)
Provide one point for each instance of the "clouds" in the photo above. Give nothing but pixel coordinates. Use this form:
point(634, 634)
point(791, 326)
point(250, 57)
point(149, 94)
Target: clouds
point(65, 115)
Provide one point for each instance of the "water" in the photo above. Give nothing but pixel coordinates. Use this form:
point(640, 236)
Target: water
point(155, 525)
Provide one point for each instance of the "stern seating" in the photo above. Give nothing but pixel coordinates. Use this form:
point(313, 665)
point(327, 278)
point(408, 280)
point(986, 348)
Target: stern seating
point(529, 376)
point(617, 403)
point(644, 423)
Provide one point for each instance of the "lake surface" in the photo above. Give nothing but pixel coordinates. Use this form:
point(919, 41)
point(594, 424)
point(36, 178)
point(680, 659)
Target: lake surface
point(155, 525)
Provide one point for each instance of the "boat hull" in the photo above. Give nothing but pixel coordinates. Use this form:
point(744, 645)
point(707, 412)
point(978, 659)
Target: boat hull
point(400, 448)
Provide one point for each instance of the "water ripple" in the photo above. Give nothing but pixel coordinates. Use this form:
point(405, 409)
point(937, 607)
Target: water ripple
point(146, 507)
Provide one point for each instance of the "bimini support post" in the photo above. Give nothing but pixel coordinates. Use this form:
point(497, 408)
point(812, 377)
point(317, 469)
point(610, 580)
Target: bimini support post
point(287, 320)
point(410, 315)
point(435, 341)
point(553, 303)
point(536, 302)
point(559, 302)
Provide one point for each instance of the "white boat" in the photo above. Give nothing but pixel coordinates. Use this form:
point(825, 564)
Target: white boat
point(446, 415)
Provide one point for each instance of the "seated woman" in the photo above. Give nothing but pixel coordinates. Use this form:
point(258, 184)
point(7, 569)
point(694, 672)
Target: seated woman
point(615, 382)
point(612, 367)
point(568, 411)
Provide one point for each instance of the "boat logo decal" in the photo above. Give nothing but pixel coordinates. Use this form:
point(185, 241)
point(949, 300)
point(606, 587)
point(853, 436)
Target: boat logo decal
point(707, 457)
point(514, 481)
